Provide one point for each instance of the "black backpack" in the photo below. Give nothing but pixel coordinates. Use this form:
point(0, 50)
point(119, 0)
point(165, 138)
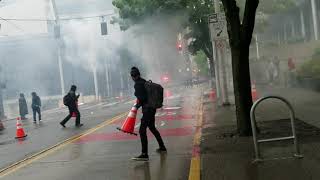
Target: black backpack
point(155, 94)
point(67, 100)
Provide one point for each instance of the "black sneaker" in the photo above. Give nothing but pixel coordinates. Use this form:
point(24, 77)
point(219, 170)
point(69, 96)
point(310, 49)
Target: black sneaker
point(161, 150)
point(142, 157)
point(35, 122)
point(62, 125)
point(79, 125)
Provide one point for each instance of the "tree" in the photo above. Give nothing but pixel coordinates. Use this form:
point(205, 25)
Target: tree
point(240, 35)
point(133, 12)
point(201, 60)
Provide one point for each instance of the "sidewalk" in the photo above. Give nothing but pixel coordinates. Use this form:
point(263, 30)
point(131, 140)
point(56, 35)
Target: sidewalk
point(225, 155)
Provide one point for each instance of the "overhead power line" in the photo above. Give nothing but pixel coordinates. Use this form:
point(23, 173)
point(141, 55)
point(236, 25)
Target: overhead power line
point(13, 24)
point(60, 19)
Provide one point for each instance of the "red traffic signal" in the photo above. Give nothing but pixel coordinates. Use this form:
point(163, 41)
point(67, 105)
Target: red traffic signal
point(179, 46)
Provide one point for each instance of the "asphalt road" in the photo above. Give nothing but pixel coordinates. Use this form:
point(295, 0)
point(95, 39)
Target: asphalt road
point(100, 151)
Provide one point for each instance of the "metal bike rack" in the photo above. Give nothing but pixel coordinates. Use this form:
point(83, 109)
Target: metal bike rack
point(254, 130)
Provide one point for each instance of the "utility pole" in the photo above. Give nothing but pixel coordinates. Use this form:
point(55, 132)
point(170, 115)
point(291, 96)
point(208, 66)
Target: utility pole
point(315, 19)
point(107, 77)
point(59, 43)
point(303, 28)
point(220, 46)
point(257, 46)
point(96, 88)
point(2, 86)
point(121, 83)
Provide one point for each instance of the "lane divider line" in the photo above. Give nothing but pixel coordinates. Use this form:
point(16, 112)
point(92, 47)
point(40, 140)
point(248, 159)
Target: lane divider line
point(28, 160)
point(195, 165)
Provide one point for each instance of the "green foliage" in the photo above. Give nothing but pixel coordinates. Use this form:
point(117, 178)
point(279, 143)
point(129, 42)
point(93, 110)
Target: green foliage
point(134, 11)
point(311, 68)
point(201, 61)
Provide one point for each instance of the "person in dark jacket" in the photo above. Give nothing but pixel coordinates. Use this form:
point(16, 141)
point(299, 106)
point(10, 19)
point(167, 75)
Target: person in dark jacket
point(148, 118)
point(36, 106)
point(23, 107)
point(73, 107)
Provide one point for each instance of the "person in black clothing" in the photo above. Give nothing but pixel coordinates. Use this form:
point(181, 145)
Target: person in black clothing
point(148, 118)
point(36, 106)
point(23, 107)
point(72, 106)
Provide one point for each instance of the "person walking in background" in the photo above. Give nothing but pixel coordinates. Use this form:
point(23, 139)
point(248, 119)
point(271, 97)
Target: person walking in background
point(148, 118)
point(70, 100)
point(23, 107)
point(36, 106)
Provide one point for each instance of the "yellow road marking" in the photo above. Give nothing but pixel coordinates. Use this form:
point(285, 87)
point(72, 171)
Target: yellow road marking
point(195, 168)
point(20, 164)
point(194, 173)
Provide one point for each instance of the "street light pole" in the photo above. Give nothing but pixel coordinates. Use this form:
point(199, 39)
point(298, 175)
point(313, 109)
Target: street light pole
point(107, 78)
point(303, 29)
point(95, 78)
point(2, 85)
point(59, 43)
point(221, 61)
point(257, 46)
point(315, 19)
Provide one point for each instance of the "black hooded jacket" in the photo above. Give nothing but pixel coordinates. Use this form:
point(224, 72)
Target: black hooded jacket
point(140, 92)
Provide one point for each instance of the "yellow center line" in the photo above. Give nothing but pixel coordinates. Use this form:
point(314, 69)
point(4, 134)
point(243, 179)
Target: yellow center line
point(195, 167)
point(20, 164)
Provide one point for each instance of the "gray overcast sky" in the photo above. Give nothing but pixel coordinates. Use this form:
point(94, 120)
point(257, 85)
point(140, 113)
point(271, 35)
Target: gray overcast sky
point(36, 9)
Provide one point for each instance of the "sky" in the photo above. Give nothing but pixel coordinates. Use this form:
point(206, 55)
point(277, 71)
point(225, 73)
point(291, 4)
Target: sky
point(42, 9)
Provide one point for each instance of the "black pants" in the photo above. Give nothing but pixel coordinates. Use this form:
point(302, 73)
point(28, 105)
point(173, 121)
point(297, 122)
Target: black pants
point(35, 111)
point(148, 121)
point(71, 111)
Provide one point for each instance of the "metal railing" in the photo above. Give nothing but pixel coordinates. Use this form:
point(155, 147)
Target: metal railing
point(254, 129)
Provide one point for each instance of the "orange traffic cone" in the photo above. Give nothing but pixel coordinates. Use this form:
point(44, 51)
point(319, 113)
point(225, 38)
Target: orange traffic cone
point(168, 93)
point(254, 92)
point(20, 132)
point(212, 95)
point(129, 123)
point(1, 126)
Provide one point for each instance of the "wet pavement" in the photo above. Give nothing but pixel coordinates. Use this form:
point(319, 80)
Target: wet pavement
point(105, 153)
point(49, 132)
point(225, 155)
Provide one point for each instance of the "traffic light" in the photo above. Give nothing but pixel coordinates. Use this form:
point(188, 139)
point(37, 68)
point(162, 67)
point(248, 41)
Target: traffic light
point(104, 28)
point(179, 46)
point(56, 31)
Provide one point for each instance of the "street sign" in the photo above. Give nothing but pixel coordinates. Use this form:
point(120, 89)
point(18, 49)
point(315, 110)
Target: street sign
point(219, 44)
point(218, 26)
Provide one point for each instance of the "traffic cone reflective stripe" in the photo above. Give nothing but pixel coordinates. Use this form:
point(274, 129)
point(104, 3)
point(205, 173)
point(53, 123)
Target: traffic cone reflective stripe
point(1, 126)
point(20, 132)
point(254, 92)
point(129, 123)
point(131, 115)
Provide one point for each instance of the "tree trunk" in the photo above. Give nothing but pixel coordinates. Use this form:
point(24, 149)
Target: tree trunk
point(242, 88)
point(240, 38)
